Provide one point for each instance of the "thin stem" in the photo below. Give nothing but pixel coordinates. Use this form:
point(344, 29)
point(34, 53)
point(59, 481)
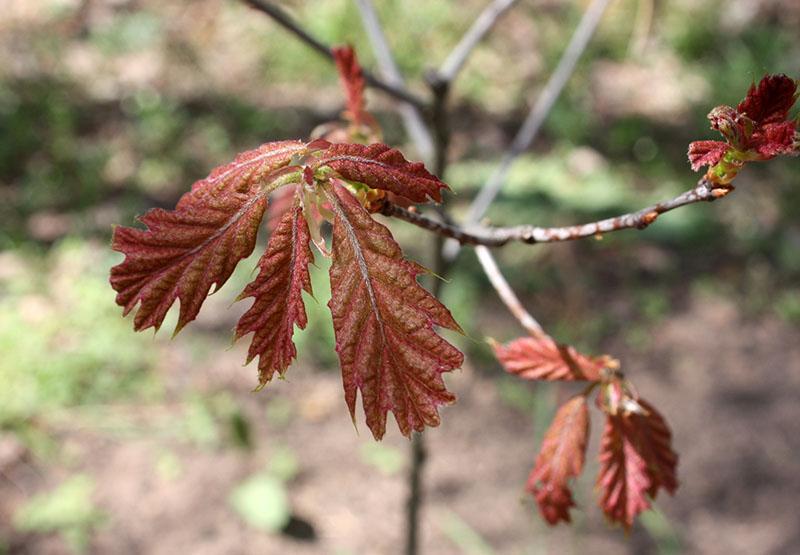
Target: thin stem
point(286, 21)
point(455, 61)
point(412, 117)
point(506, 294)
point(533, 122)
point(499, 236)
point(418, 455)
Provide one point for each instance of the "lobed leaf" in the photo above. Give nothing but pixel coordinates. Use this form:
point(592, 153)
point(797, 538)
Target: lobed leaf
point(184, 252)
point(636, 459)
point(770, 101)
point(561, 457)
point(278, 292)
point(542, 358)
point(381, 167)
point(776, 138)
point(384, 323)
point(352, 78)
point(706, 153)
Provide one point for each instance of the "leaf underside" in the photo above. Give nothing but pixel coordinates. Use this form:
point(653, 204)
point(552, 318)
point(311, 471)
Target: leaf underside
point(535, 358)
point(636, 459)
point(384, 324)
point(381, 167)
point(561, 457)
point(278, 292)
point(184, 252)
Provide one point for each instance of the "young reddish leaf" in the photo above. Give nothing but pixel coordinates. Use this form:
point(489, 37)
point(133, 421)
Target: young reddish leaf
point(776, 138)
point(706, 153)
point(280, 202)
point(636, 459)
point(756, 130)
point(278, 292)
point(535, 358)
point(384, 324)
point(770, 101)
point(561, 457)
point(352, 77)
point(182, 253)
point(381, 167)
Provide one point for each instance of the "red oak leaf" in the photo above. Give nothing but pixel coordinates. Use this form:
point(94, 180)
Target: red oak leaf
point(278, 292)
point(636, 460)
point(775, 138)
point(352, 77)
point(770, 101)
point(381, 167)
point(280, 202)
point(184, 252)
point(535, 358)
point(706, 153)
point(561, 457)
point(384, 323)
point(756, 130)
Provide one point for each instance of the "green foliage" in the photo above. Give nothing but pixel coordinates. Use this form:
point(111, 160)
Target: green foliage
point(261, 501)
point(388, 460)
point(62, 342)
point(68, 510)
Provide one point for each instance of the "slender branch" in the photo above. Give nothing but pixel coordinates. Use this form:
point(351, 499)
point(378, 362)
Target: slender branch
point(533, 122)
point(499, 236)
point(411, 114)
point(506, 294)
point(482, 25)
point(285, 20)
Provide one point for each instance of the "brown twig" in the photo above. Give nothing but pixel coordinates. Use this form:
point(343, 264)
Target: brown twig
point(499, 236)
point(537, 116)
point(286, 21)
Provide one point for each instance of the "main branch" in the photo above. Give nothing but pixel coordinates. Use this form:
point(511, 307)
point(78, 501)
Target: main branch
point(499, 236)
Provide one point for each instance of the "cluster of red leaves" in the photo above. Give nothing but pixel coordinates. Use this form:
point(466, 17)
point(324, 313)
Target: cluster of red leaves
point(759, 128)
point(384, 321)
point(636, 456)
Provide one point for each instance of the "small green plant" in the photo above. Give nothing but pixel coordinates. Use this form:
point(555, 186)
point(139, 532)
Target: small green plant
point(68, 511)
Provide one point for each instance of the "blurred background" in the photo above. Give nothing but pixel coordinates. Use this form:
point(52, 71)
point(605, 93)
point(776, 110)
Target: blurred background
point(117, 442)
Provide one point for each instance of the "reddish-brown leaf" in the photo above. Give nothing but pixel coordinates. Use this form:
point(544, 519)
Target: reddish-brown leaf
point(384, 324)
point(184, 252)
point(542, 358)
point(381, 167)
point(280, 202)
point(636, 459)
point(770, 101)
point(561, 457)
point(706, 153)
point(352, 78)
point(278, 292)
point(776, 138)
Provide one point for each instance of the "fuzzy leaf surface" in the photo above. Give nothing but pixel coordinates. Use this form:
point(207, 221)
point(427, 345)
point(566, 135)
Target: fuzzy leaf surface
point(770, 100)
point(186, 251)
point(352, 78)
point(278, 292)
point(384, 324)
point(534, 358)
point(636, 460)
point(380, 166)
point(706, 153)
point(561, 457)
